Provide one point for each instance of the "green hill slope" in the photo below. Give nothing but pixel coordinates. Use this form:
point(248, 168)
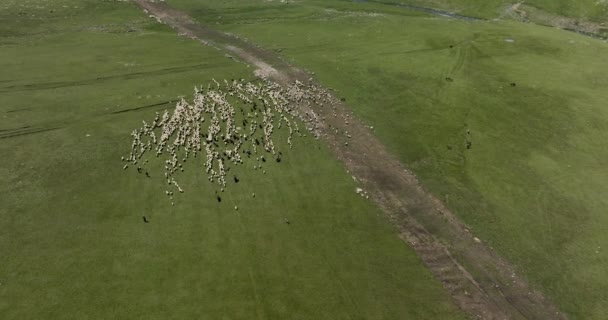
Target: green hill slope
point(505, 122)
point(77, 77)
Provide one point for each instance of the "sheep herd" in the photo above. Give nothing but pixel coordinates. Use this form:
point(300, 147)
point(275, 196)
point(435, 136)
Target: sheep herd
point(226, 122)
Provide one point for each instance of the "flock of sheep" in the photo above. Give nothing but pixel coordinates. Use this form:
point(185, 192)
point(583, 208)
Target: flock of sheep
point(227, 122)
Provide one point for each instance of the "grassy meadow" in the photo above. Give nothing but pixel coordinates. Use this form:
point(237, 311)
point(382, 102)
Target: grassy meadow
point(594, 10)
point(505, 122)
point(77, 77)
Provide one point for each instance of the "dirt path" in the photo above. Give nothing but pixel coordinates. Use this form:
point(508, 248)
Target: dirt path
point(521, 12)
point(437, 12)
point(481, 283)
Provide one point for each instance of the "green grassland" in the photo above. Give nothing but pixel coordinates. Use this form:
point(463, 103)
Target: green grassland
point(593, 10)
point(77, 77)
point(533, 184)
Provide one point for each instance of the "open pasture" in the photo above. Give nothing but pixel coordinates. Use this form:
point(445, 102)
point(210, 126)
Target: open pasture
point(77, 77)
point(503, 121)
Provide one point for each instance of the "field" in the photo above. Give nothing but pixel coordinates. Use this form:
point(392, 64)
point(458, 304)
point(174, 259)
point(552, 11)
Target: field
point(504, 122)
point(77, 77)
point(582, 9)
point(529, 100)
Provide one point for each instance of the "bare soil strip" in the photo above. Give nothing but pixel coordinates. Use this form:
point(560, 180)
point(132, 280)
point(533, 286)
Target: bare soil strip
point(525, 13)
point(481, 283)
point(521, 12)
point(437, 12)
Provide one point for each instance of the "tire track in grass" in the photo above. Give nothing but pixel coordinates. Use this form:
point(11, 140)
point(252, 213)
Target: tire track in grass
point(481, 283)
point(18, 110)
point(148, 106)
point(14, 129)
point(126, 76)
point(436, 12)
point(53, 125)
point(258, 302)
point(27, 132)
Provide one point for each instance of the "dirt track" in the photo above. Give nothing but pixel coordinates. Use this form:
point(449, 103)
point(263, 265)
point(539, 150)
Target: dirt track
point(451, 252)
